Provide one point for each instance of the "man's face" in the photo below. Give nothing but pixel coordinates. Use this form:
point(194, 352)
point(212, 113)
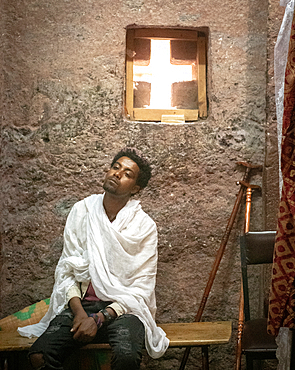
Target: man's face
point(121, 179)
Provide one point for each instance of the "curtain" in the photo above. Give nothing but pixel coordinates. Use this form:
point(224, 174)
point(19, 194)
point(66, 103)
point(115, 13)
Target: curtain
point(282, 296)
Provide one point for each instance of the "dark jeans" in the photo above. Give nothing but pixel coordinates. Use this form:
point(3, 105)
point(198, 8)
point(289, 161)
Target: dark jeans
point(125, 336)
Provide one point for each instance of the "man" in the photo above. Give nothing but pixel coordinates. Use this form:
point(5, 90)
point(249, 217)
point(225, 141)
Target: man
point(105, 277)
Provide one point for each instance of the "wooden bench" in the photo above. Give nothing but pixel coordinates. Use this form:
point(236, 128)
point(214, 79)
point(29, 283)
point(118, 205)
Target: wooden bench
point(196, 334)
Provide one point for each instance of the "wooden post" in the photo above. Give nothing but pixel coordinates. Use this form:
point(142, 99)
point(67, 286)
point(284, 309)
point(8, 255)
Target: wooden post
point(241, 304)
point(221, 249)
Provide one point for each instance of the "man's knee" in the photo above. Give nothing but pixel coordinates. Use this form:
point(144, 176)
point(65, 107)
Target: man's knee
point(126, 337)
point(126, 357)
point(37, 360)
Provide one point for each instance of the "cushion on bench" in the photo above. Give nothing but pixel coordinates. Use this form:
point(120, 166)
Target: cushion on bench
point(27, 316)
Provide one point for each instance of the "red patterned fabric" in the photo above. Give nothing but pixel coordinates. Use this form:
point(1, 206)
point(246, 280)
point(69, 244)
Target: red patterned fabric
point(282, 296)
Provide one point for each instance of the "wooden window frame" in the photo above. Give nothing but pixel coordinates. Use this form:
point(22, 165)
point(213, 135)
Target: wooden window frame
point(145, 114)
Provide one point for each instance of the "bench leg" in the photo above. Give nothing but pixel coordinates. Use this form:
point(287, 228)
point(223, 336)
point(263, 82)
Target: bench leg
point(12, 361)
point(9, 361)
point(205, 358)
point(2, 362)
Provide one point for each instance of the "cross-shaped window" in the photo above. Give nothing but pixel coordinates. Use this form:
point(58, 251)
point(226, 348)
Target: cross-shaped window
point(165, 74)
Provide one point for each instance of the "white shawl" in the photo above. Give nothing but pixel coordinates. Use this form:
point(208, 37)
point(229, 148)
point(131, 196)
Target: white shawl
point(119, 258)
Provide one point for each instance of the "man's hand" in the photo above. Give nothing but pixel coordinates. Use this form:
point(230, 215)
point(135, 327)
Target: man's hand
point(84, 327)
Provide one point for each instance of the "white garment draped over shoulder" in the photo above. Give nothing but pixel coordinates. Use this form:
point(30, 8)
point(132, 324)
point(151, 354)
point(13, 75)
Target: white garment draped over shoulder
point(119, 258)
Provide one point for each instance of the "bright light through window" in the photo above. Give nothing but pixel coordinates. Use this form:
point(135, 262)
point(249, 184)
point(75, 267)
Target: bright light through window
point(165, 74)
point(161, 74)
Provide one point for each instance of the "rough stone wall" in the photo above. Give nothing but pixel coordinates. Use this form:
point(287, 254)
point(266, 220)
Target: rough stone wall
point(271, 183)
point(62, 121)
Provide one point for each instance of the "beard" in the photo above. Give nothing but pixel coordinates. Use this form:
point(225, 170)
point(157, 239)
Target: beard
point(109, 188)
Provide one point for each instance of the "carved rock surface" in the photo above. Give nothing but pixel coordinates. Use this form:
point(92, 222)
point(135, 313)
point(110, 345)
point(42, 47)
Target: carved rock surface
point(62, 89)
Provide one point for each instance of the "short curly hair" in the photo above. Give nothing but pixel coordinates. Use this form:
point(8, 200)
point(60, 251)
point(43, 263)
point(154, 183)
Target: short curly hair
point(145, 171)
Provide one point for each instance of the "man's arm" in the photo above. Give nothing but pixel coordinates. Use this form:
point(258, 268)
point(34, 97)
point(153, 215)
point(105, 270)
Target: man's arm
point(85, 327)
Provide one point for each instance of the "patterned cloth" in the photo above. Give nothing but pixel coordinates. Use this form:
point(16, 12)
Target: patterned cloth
point(282, 296)
point(27, 316)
